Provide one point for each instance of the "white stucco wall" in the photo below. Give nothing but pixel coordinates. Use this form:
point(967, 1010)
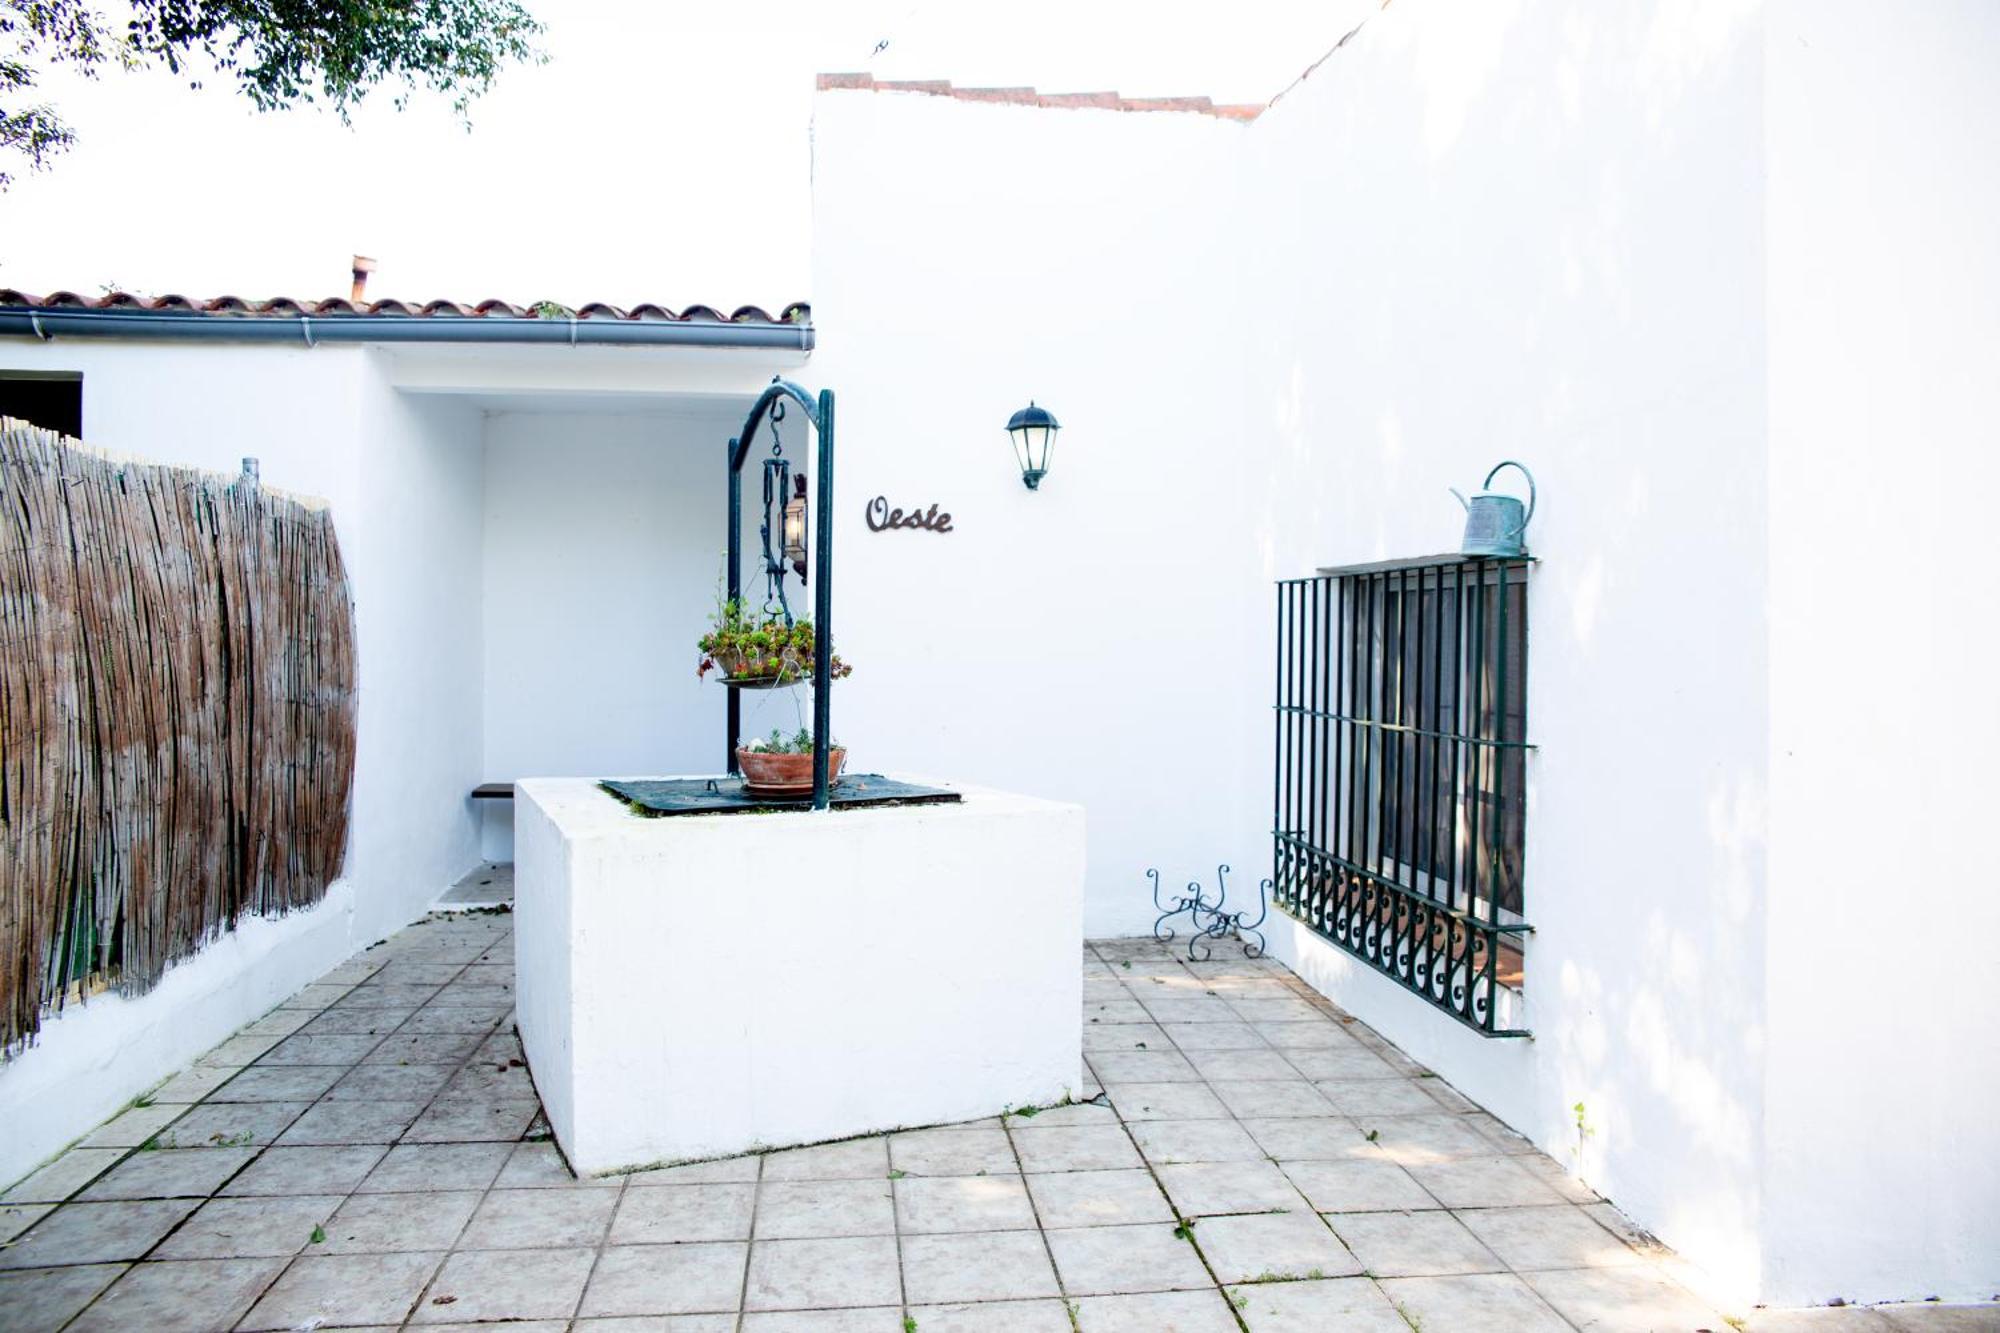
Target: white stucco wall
point(1883, 144)
point(401, 477)
point(1082, 642)
point(603, 543)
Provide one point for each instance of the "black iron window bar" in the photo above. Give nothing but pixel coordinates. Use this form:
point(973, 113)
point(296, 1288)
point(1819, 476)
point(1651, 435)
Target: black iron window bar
point(1399, 792)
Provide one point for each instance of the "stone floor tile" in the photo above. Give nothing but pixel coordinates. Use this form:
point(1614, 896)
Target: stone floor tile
point(1256, 1247)
point(134, 1126)
point(411, 1167)
point(330, 1290)
point(1267, 1099)
point(1165, 1101)
point(278, 1083)
point(183, 1296)
point(824, 1273)
point(1483, 1182)
point(540, 1166)
point(495, 1082)
point(677, 1213)
point(38, 1299)
point(1557, 1236)
point(1074, 1148)
point(956, 1203)
point(170, 1173)
point(1229, 1187)
point(977, 1266)
point(277, 1023)
point(249, 1228)
point(1557, 1177)
point(856, 1159)
point(193, 1084)
point(1423, 1140)
point(1242, 1064)
point(540, 1219)
point(1327, 1138)
point(952, 1152)
point(1115, 1011)
point(1424, 1244)
point(1039, 1316)
point(1930, 1317)
point(352, 972)
point(1819, 1319)
point(667, 1279)
point(239, 1051)
point(376, 994)
point(881, 1319)
point(96, 1233)
point(1148, 1066)
point(380, 1223)
point(1180, 1007)
point(1320, 1035)
point(1499, 1302)
point(283, 1170)
point(337, 1123)
point(230, 1124)
point(18, 1217)
point(792, 1209)
point(1349, 1304)
point(722, 1171)
point(1368, 1097)
point(481, 1285)
point(477, 1121)
point(415, 974)
point(1347, 1064)
point(423, 1048)
point(1097, 1261)
point(1098, 1198)
point(391, 1083)
point(660, 1323)
point(321, 1048)
point(1125, 1037)
point(477, 1020)
point(64, 1176)
point(1358, 1187)
point(1195, 1141)
point(1277, 1009)
point(1190, 1037)
point(1156, 1312)
point(1628, 1300)
point(317, 996)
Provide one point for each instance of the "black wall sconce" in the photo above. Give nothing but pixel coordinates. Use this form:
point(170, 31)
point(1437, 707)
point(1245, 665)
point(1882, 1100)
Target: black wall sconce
point(1033, 432)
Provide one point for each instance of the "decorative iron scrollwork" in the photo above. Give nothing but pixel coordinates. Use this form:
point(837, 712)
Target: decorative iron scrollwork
point(1208, 920)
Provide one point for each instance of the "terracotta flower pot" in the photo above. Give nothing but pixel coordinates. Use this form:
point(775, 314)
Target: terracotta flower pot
point(785, 774)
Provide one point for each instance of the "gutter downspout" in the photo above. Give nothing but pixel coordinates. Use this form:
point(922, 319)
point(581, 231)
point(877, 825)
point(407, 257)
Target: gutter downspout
point(47, 324)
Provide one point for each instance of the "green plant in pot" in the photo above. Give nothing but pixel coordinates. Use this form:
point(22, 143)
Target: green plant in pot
point(784, 764)
point(755, 650)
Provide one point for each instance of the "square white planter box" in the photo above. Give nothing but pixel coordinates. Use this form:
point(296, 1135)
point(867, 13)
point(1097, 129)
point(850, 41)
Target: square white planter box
point(702, 985)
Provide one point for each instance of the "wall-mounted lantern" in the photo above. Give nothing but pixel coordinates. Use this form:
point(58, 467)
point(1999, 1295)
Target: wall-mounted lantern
point(795, 527)
point(1033, 431)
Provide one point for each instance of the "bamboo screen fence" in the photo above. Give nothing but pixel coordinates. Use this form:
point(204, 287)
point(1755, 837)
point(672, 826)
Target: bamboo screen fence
point(176, 716)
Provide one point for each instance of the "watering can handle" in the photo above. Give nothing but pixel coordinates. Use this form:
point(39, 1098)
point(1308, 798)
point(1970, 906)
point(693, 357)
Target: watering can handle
point(1488, 485)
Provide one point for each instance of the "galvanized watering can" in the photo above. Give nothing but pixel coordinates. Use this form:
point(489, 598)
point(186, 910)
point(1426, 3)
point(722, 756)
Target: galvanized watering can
point(1494, 520)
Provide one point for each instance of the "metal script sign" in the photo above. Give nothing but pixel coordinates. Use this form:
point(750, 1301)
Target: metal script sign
point(881, 518)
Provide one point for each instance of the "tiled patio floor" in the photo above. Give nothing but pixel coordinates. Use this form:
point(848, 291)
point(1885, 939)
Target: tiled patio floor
point(371, 1155)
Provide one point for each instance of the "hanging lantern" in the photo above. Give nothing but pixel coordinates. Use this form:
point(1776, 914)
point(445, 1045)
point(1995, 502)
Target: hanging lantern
point(795, 527)
point(1033, 431)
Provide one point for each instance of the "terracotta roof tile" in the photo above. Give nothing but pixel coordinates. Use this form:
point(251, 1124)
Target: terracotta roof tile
point(1106, 101)
point(285, 307)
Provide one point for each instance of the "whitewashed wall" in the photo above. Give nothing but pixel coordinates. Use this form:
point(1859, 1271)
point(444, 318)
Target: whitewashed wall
point(1084, 642)
point(1883, 144)
point(602, 546)
point(401, 478)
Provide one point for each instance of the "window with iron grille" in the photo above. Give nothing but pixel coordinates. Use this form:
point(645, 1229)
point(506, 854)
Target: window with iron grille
point(1399, 802)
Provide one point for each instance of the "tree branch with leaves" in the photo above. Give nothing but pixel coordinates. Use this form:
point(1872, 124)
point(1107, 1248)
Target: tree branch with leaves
point(279, 53)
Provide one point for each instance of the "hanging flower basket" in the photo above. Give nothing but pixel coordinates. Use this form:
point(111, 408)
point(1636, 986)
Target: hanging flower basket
point(759, 652)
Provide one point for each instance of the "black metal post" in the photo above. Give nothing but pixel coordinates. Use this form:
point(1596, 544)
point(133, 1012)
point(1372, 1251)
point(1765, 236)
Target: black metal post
point(734, 587)
point(823, 607)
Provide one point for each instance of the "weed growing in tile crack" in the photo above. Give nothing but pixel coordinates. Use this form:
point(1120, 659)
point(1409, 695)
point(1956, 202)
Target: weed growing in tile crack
point(1026, 1112)
point(909, 1323)
point(1125, 963)
point(1374, 1134)
point(1241, 1300)
point(241, 1140)
point(318, 1235)
point(1734, 1322)
point(1185, 1229)
point(897, 1175)
point(1416, 1324)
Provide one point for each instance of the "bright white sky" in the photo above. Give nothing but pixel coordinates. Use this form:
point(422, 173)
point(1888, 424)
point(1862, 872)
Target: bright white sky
point(693, 118)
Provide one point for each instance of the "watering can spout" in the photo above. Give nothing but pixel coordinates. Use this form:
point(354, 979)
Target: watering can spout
point(1461, 499)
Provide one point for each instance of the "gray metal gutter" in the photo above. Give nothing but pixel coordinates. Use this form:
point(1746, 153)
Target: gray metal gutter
point(312, 330)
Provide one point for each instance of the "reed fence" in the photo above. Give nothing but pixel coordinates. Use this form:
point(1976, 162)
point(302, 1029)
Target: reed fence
point(176, 716)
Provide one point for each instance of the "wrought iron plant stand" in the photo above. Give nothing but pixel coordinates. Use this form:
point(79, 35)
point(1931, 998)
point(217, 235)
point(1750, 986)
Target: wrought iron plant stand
point(1208, 920)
